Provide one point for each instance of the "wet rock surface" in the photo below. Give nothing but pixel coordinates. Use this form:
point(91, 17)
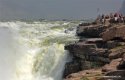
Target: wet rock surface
point(91, 31)
point(99, 56)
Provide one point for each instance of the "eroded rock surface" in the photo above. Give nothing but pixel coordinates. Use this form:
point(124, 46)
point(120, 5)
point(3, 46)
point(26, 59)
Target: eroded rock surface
point(115, 32)
point(99, 57)
point(91, 31)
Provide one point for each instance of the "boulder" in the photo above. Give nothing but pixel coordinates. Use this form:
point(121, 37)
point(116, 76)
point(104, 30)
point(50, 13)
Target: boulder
point(114, 75)
point(98, 41)
point(71, 67)
point(79, 65)
point(86, 55)
point(113, 44)
point(117, 52)
point(116, 32)
point(91, 31)
point(122, 63)
point(85, 75)
point(112, 66)
point(88, 52)
point(84, 24)
point(86, 65)
point(93, 57)
point(80, 49)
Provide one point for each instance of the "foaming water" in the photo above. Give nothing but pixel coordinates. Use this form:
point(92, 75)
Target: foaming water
point(35, 50)
point(7, 55)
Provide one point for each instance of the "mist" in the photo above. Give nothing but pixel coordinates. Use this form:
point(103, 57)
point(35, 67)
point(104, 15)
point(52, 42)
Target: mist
point(7, 55)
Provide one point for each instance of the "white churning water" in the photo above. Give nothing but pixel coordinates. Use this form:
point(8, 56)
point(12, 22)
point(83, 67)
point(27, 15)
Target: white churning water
point(34, 50)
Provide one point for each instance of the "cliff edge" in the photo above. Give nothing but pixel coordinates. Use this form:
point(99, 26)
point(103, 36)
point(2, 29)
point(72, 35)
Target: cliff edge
point(100, 52)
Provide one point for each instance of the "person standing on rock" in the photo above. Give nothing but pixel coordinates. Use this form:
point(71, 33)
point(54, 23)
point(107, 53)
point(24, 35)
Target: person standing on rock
point(103, 19)
point(107, 20)
point(124, 19)
point(116, 17)
point(121, 20)
point(111, 18)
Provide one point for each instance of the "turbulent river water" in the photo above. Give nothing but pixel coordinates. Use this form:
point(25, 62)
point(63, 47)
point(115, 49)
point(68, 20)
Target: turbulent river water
point(34, 50)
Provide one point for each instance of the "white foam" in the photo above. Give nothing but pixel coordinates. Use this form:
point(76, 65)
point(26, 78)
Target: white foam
point(39, 50)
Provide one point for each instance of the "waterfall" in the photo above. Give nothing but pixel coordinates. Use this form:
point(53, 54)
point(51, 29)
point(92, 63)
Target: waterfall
point(7, 54)
point(34, 50)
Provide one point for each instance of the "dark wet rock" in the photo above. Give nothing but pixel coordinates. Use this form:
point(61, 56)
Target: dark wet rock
point(71, 67)
point(112, 75)
point(79, 65)
point(84, 24)
point(97, 41)
point(92, 31)
point(86, 65)
point(86, 55)
point(114, 44)
point(122, 63)
point(87, 51)
point(114, 33)
point(80, 49)
point(115, 75)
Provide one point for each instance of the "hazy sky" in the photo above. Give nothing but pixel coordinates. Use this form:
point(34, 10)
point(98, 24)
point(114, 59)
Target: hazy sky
point(56, 9)
point(122, 10)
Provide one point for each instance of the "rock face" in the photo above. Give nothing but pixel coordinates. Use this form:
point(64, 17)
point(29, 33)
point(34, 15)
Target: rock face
point(122, 63)
point(92, 31)
point(99, 57)
point(88, 52)
point(117, 32)
point(117, 52)
point(72, 67)
point(112, 66)
point(86, 55)
point(114, 75)
point(113, 44)
point(82, 75)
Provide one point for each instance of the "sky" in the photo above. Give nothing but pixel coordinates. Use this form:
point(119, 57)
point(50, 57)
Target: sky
point(56, 9)
point(122, 10)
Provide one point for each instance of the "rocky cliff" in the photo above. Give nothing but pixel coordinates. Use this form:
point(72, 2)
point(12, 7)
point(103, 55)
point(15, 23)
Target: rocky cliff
point(99, 56)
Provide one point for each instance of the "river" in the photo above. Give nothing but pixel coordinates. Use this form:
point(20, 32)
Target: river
point(34, 50)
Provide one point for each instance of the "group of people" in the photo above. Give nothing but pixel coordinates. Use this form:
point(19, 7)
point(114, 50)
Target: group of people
point(112, 18)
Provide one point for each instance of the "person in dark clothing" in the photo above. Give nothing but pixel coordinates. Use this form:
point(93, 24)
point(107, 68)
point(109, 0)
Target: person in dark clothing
point(116, 18)
point(124, 19)
point(103, 19)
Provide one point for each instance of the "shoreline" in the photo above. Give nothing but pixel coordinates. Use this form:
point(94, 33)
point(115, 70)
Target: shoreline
point(99, 57)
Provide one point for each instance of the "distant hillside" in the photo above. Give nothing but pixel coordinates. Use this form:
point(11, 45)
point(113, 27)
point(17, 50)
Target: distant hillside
point(123, 7)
